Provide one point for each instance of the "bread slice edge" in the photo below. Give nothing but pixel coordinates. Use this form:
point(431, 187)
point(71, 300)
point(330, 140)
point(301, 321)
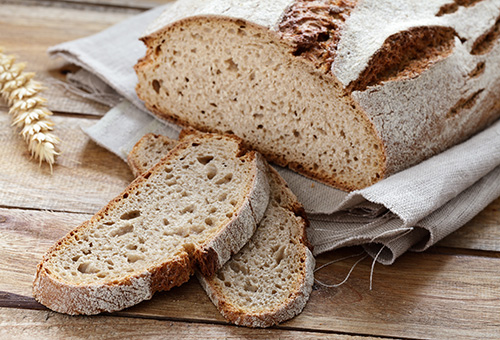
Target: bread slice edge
point(112, 296)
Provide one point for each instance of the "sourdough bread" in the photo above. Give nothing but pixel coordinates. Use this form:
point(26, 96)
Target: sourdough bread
point(270, 279)
point(343, 91)
point(194, 209)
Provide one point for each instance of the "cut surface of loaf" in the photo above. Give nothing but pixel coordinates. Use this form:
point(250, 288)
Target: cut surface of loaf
point(342, 91)
point(193, 209)
point(270, 279)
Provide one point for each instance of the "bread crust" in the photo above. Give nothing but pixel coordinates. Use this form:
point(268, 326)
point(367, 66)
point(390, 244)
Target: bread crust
point(301, 290)
point(69, 298)
point(389, 72)
point(299, 293)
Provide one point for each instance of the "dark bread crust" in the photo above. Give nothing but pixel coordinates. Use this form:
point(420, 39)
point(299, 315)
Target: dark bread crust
point(314, 29)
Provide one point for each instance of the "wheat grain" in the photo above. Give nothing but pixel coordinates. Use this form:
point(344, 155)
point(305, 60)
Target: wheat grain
point(28, 109)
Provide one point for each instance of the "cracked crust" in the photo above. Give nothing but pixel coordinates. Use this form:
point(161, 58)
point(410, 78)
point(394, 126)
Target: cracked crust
point(375, 66)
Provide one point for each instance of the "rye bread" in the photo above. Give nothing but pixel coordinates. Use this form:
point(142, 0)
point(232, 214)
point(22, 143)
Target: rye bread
point(270, 279)
point(343, 91)
point(192, 210)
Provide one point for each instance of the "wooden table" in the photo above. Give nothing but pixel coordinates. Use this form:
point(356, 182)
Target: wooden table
point(450, 291)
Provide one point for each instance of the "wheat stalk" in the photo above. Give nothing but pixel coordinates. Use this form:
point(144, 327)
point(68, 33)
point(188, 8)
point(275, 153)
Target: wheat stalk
point(28, 110)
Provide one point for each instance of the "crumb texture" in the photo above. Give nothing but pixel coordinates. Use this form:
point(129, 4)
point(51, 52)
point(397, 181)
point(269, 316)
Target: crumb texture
point(149, 150)
point(342, 91)
point(270, 279)
point(166, 222)
point(210, 76)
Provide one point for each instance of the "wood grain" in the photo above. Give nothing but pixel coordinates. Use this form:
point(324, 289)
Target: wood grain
point(85, 176)
point(27, 33)
point(24, 237)
point(114, 4)
point(428, 295)
point(29, 324)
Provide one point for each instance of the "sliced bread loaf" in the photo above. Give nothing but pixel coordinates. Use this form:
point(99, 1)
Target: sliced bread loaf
point(194, 209)
point(343, 91)
point(270, 279)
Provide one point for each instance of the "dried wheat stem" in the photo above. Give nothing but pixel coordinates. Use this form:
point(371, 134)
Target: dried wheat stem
point(28, 109)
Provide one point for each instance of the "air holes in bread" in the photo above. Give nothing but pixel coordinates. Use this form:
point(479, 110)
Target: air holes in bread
point(189, 209)
point(132, 247)
point(87, 268)
point(132, 258)
point(231, 65)
point(156, 85)
point(224, 180)
point(211, 171)
point(279, 254)
point(130, 215)
point(126, 229)
point(205, 159)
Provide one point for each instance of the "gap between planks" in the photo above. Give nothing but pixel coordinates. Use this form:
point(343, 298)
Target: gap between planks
point(21, 324)
point(118, 6)
point(420, 296)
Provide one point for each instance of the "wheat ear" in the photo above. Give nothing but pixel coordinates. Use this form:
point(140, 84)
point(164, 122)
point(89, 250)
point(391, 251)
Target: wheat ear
point(28, 109)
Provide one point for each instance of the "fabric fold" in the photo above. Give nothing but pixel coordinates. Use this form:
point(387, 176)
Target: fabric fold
point(410, 210)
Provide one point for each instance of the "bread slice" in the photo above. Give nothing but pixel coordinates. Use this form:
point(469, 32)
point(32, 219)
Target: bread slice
point(194, 209)
point(270, 279)
point(341, 91)
point(148, 151)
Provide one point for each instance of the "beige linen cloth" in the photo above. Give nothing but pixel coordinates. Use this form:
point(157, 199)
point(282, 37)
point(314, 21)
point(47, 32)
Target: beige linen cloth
point(411, 210)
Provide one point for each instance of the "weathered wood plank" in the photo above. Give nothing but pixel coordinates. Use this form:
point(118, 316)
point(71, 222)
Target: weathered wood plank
point(24, 237)
point(84, 179)
point(29, 324)
point(135, 4)
point(27, 32)
point(424, 296)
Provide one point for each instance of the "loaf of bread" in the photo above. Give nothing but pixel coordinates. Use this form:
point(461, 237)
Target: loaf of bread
point(192, 210)
point(270, 279)
point(343, 91)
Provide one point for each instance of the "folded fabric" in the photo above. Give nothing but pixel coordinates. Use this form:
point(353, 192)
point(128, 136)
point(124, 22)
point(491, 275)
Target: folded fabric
point(412, 209)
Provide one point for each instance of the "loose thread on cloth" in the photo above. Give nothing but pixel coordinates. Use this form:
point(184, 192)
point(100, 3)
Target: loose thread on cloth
point(88, 91)
point(348, 274)
point(372, 269)
point(368, 217)
point(334, 236)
